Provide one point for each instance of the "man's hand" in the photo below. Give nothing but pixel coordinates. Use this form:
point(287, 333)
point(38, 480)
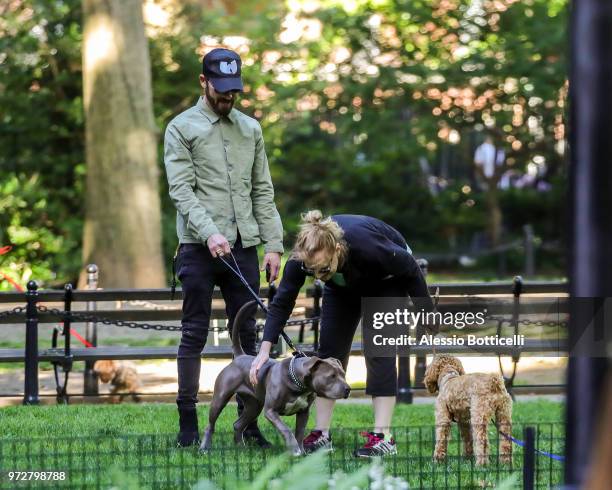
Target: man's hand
point(218, 245)
point(273, 259)
point(259, 361)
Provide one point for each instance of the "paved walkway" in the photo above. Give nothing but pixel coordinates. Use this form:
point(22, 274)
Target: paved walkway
point(161, 377)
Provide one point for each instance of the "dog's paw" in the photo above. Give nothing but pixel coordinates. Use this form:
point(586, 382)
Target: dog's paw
point(297, 452)
point(482, 461)
point(439, 456)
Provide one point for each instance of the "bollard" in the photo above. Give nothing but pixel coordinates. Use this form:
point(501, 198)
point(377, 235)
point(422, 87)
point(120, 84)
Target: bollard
point(90, 381)
point(529, 458)
point(30, 395)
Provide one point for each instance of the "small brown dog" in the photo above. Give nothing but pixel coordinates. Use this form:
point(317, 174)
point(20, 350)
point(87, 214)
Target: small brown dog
point(470, 400)
point(123, 377)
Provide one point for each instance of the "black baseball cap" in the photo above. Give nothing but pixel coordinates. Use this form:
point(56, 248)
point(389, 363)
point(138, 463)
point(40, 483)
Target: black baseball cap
point(223, 68)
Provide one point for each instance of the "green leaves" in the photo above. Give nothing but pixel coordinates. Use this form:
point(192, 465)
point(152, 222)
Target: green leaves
point(357, 101)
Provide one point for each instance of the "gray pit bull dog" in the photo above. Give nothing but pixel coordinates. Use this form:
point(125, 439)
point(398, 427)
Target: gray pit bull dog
point(287, 387)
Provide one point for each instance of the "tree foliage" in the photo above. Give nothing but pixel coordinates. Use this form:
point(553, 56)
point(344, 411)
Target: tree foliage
point(357, 100)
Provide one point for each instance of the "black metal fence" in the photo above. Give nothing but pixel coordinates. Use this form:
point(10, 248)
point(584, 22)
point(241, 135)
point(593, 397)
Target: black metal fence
point(153, 461)
point(509, 312)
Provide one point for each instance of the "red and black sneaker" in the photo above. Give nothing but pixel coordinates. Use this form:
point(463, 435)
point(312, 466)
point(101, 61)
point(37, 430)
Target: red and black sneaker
point(316, 441)
point(375, 445)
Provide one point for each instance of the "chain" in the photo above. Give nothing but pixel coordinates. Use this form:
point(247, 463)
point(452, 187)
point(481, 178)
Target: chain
point(14, 311)
point(73, 316)
point(526, 322)
point(304, 321)
point(105, 321)
point(150, 305)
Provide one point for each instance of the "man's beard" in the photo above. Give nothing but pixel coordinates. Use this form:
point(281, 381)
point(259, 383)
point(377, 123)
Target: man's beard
point(221, 107)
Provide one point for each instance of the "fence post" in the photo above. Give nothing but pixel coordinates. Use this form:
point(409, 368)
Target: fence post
point(404, 387)
point(30, 395)
point(404, 390)
point(517, 290)
point(529, 250)
point(318, 294)
point(421, 360)
point(90, 381)
point(67, 363)
point(529, 458)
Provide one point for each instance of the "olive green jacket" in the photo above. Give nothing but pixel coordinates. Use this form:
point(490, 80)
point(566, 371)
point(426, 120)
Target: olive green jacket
point(219, 179)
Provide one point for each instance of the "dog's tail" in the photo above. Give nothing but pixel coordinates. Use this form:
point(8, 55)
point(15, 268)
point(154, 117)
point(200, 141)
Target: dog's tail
point(240, 318)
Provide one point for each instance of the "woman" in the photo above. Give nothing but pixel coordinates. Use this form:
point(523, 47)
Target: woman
point(355, 256)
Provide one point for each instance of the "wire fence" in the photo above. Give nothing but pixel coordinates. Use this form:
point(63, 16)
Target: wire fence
point(154, 461)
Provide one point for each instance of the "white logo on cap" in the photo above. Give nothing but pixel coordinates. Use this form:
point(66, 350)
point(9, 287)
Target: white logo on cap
point(230, 68)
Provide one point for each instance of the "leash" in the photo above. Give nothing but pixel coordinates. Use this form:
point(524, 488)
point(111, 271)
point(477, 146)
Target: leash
point(518, 442)
point(73, 332)
point(238, 273)
point(4, 250)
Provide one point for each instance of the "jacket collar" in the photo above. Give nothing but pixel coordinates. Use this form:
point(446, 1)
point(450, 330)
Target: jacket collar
point(211, 115)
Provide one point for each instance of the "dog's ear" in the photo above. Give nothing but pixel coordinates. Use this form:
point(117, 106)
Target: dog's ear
point(311, 363)
point(431, 376)
point(334, 363)
point(456, 363)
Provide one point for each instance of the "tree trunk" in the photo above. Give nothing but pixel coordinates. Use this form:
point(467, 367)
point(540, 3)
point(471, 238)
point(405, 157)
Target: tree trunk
point(122, 233)
point(494, 214)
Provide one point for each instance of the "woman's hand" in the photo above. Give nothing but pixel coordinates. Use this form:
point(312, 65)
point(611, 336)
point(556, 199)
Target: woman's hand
point(259, 361)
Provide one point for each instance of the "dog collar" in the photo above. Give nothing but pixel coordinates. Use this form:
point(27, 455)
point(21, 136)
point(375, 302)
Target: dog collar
point(301, 386)
point(450, 375)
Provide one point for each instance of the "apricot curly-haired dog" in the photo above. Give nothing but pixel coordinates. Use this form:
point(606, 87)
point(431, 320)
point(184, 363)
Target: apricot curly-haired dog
point(470, 400)
point(123, 377)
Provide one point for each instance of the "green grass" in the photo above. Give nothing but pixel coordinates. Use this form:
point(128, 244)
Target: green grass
point(161, 418)
point(92, 441)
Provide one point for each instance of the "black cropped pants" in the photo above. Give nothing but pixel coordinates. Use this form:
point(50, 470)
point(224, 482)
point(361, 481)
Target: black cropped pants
point(340, 315)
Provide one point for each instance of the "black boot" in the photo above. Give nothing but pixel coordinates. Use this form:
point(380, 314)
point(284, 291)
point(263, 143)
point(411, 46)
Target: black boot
point(188, 385)
point(188, 427)
point(252, 434)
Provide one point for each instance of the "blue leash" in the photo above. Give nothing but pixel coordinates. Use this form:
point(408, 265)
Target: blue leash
point(518, 442)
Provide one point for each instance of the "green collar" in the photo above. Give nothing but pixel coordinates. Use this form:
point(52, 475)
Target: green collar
point(338, 279)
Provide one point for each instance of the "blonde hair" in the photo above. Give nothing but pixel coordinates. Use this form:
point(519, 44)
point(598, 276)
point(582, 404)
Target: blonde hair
point(318, 233)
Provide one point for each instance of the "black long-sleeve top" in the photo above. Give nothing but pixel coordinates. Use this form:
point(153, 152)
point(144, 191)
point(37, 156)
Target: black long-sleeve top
point(376, 251)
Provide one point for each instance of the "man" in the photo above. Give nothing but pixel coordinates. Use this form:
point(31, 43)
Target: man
point(220, 184)
point(489, 161)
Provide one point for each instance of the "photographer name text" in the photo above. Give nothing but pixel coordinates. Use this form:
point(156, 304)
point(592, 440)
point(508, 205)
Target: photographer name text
point(454, 340)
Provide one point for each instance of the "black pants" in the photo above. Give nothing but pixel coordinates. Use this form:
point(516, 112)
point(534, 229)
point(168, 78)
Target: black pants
point(340, 314)
point(199, 272)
